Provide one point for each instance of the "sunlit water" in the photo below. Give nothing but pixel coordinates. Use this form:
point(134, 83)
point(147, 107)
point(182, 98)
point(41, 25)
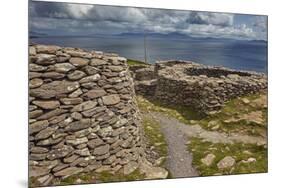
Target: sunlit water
point(242, 55)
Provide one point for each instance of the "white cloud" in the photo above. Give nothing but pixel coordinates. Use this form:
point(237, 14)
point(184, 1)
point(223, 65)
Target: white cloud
point(79, 11)
point(110, 19)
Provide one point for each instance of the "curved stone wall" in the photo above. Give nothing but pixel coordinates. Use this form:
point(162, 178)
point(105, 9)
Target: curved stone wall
point(204, 88)
point(82, 113)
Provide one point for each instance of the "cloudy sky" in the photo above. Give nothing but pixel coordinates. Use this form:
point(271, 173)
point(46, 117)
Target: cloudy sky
point(79, 19)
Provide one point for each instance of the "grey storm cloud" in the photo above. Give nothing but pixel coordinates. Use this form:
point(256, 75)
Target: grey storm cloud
point(82, 18)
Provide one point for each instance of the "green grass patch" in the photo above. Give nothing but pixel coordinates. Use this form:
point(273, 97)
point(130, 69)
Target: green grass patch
point(132, 62)
point(182, 113)
point(235, 109)
point(238, 151)
point(232, 109)
point(155, 137)
point(103, 177)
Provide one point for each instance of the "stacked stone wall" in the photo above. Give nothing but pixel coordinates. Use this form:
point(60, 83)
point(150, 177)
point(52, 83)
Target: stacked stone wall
point(82, 113)
point(203, 88)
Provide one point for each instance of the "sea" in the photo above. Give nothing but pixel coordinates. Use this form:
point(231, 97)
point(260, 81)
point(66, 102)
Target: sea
point(230, 53)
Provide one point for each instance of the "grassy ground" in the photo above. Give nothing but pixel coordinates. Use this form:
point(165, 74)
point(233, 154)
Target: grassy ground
point(233, 109)
point(103, 177)
point(132, 62)
point(238, 151)
point(233, 116)
point(182, 113)
point(155, 137)
point(91, 177)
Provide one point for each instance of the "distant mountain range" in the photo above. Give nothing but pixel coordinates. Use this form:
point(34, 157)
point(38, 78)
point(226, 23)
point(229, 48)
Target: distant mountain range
point(174, 35)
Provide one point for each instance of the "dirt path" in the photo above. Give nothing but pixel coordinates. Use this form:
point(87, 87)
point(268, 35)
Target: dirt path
point(179, 161)
point(211, 136)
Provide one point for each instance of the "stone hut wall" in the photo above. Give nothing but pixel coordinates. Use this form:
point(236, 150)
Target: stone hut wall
point(201, 87)
point(82, 113)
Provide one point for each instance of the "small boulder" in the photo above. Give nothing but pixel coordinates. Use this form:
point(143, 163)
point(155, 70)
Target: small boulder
point(226, 162)
point(208, 159)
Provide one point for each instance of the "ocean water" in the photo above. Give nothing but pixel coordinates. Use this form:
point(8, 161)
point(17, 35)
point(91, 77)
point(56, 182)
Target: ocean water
point(235, 54)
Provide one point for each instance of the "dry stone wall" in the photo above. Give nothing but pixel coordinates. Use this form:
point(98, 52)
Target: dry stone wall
point(82, 113)
point(204, 88)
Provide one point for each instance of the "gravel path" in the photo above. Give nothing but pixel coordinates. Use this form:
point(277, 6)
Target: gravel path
point(179, 161)
point(210, 136)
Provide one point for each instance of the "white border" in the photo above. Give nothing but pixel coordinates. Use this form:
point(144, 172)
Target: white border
point(14, 94)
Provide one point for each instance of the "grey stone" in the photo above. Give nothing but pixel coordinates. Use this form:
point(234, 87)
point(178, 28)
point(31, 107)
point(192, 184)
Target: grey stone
point(76, 116)
point(76, 93)
point(57, 119)
point(38, 150)
point(36, 171)
point(83, 152)
point(111, 99)
point(45, 133)
point(77, 141)
point(49, 49)
point(48, 105)
point(101, 150)
point(83, 133)
point(32, 50)
point(226, 162)
point(68, 172)
point(84, 106)
point(52, 113)
point(92, 78)
point(37, 156)
point(93, 111)
point(45, 59)
point(76, 53)
point(208, 159)
point(79, 62)
point(49, 141)
point(130, 167)
point(98, 62)
point(32, 75)
point(54, 89)
point(76, 75)
point(116, 68)
point(120, 123)
point(43, 179)
point(92, 144)
point(118, 131)
point(71, 101)
point(36, 68)
point(36, 82)
point(38, 126)
point(71, 158)
point(105, 132)
point(110, 160)
point(60, 152)
point(79, 125)
point(60, 167)
point(91, 70)
point(52, 75)
point(62, 57)
point(94, 93)
point(35, 113)
point(64, 67)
